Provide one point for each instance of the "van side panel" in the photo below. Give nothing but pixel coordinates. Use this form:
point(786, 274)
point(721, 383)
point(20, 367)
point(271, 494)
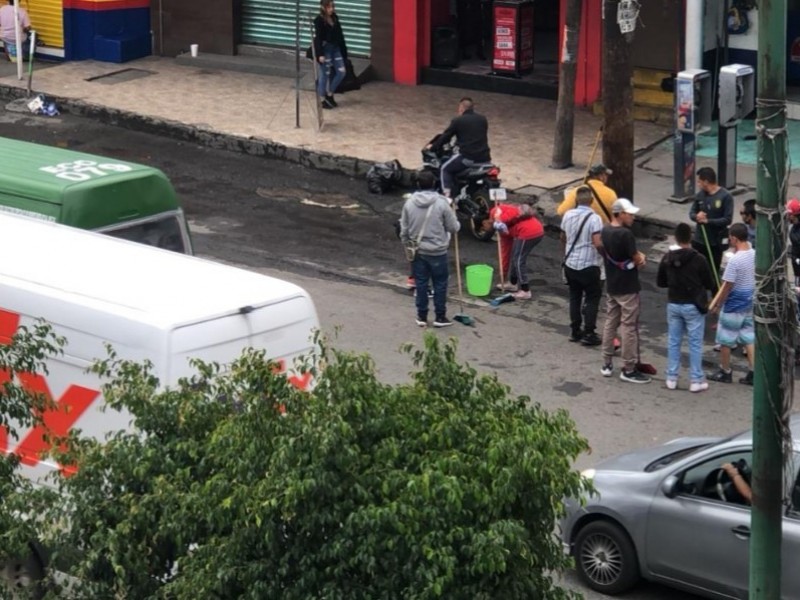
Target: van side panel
point(281, 329)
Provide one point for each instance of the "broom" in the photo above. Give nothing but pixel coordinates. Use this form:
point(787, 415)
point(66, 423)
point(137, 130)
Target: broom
point(461, 317)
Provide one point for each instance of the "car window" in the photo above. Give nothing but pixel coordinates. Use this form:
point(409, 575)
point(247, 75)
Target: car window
point(707, 480)
point(794, 491)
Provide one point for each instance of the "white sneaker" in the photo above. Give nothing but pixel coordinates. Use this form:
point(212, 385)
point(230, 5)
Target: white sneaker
point(672, 384)
point(521, 295)
point(607, 370)
point(698, 386)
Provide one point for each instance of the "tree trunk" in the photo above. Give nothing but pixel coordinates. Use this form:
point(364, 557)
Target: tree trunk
point(617, 103)
point(565, 114)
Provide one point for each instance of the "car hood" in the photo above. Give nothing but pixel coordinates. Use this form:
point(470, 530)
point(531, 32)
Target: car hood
point(639, 459)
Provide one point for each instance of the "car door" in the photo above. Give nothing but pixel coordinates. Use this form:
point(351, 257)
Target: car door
point(790, 551)
point(696, 537)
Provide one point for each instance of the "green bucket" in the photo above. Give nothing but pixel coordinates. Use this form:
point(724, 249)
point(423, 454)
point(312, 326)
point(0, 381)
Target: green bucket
point(479, 280)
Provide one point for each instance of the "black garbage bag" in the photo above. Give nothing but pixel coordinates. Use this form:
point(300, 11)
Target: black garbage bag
point(382, 177)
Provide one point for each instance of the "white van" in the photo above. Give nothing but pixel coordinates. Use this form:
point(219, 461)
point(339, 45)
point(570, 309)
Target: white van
point(147, 303)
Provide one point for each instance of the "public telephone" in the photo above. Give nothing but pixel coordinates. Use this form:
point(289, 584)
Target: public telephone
point(693, 101)
point(737, 84)
point(736, 93)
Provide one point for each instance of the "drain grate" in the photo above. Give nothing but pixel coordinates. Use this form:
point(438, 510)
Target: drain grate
point(121, 76)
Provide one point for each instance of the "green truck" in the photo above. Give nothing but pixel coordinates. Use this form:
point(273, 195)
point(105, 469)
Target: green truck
point(118, 198)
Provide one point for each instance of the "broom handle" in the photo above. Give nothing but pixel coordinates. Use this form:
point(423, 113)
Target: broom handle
point(594, 150)
point(710, 257)
point(458, 273)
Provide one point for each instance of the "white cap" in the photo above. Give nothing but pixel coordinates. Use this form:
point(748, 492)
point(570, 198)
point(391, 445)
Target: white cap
point(623, 205)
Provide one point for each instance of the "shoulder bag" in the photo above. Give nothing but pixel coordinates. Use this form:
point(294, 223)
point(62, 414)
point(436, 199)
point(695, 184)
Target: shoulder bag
point(412, 246)
point(572, 247)
point(600, 202)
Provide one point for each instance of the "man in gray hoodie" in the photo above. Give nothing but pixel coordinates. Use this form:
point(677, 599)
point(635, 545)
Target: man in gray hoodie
point(428, 218)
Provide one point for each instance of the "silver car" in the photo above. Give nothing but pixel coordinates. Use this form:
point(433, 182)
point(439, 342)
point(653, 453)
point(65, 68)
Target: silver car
point(671, 514)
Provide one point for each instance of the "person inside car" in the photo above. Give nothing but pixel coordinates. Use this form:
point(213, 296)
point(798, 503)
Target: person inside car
point(739, 482)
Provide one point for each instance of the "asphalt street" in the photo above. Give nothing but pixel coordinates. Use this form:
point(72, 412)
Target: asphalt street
point(327, 233)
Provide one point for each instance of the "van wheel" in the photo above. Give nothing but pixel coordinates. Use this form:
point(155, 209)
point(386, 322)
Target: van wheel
point(22, 577)
point(605, 558)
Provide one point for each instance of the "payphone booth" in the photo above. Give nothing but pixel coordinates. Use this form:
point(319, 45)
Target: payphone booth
point(693, 107)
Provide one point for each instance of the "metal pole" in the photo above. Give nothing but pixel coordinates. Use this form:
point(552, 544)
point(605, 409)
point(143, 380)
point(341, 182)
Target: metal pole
point(694, 34)
point(297, 64)
point(17, 37)
point(765, 544)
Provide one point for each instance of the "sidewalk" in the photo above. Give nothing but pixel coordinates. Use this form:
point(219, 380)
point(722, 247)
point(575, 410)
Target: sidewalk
point(382, 121)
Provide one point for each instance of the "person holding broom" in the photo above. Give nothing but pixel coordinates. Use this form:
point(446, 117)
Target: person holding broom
point(520, 232)
point(712, 210)
point(426, 223)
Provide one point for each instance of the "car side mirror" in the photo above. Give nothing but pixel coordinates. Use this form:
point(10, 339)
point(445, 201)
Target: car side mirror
point(670, 486)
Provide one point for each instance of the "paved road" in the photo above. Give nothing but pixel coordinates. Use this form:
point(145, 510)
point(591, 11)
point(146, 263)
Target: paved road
point(266, 215)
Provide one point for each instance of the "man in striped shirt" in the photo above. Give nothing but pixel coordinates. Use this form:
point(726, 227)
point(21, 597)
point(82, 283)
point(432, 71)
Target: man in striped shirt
point(580, 238)
point(736, 299)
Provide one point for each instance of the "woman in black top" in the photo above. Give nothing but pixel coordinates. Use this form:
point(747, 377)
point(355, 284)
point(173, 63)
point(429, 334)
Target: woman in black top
point(331, 52)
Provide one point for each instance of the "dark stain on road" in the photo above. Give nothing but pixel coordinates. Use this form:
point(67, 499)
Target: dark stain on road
point(572, 388)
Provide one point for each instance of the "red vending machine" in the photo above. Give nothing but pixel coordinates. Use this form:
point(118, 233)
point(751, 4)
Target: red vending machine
point(512, 43)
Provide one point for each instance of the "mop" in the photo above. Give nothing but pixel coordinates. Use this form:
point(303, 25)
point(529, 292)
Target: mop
point(461, 317)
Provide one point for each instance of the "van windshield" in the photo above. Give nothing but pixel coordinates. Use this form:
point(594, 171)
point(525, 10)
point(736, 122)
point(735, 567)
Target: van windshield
point(162, 232)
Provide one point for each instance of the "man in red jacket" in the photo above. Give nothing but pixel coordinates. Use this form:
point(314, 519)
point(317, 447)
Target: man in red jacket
point(519, 233)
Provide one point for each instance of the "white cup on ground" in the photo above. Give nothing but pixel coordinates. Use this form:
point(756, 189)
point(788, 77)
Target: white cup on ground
point(194, 48)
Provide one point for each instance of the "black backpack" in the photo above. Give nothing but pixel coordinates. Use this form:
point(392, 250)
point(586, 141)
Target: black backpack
point(382, 177)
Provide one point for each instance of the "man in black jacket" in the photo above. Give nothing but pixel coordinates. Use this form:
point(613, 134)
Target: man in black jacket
point(686, 275)
point(472, 137)
point(712, 210)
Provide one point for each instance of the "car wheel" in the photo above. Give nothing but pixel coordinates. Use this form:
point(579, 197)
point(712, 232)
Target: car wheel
point(605, 558)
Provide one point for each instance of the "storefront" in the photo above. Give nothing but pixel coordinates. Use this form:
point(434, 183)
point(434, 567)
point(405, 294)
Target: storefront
point(47, 18)
point(273, 23)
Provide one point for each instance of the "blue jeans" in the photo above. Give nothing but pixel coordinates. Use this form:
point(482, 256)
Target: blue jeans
point(433, 268)
point(685, 318)
point(333, 63)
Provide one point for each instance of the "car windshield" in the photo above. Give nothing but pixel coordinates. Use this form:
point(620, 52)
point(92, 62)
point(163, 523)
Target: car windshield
point(668, 459)
point(163, 232)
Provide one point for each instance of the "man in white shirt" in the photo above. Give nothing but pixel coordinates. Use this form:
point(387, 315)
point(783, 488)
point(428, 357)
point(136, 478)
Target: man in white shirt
point(580, 238)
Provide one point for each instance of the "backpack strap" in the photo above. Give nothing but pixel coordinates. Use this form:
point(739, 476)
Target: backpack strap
point(600, 202)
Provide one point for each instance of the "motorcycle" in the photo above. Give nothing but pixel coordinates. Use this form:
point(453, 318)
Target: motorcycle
point(471, 194)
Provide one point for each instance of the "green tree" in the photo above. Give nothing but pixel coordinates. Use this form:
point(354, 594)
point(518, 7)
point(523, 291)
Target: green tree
point(20, 410)
point(236, 485)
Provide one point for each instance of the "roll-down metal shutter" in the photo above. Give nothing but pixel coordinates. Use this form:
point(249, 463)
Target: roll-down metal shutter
point(272, 23)
point(47, 18)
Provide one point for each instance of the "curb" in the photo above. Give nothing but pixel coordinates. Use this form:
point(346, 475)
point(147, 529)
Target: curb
point(255, 146)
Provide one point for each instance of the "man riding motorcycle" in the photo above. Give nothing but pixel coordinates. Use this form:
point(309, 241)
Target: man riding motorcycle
point(471, 131)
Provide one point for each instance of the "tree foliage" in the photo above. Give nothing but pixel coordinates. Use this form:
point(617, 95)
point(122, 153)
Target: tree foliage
point(236, 485)
point(20, 409)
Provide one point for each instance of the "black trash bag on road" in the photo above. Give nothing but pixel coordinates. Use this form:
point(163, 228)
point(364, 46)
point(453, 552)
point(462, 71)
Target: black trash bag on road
point(382, 177)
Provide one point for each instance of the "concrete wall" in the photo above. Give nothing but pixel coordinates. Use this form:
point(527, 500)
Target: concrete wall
point(382, 59)
point(212, 25)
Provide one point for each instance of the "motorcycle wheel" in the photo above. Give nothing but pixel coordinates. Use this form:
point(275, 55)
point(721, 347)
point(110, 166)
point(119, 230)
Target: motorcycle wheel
point(481, 198)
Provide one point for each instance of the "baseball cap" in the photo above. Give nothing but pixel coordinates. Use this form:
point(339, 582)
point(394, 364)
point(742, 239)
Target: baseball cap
point(793, 206)
point(600, 169)
point(623, 205)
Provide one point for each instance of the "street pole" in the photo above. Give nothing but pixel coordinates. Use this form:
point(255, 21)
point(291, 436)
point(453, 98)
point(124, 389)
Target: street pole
point(770, 309)
point(17, 37)
point(297, 65)
point(565, 112)
point(617, 102)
